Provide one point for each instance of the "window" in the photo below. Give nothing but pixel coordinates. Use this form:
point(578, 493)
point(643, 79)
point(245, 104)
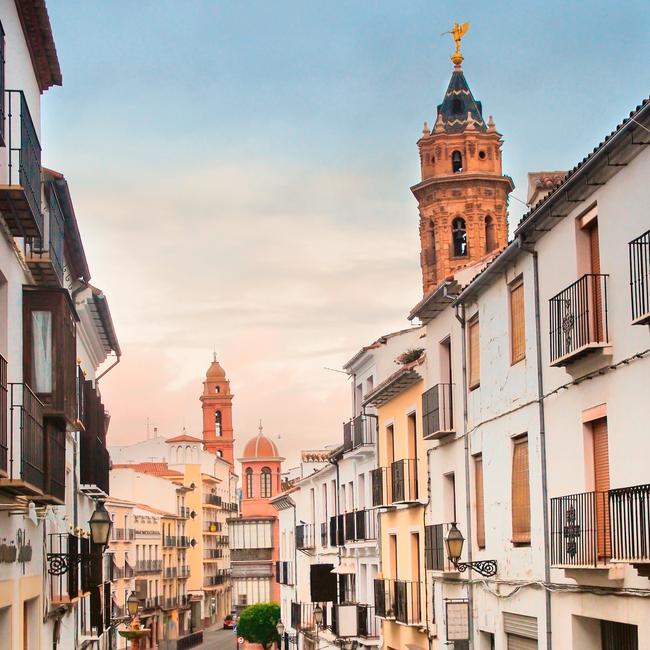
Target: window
point(639, 253)
point(517, 322)
point(217, 423)
point(265, 483)
point(474, 354)
point(459, 237)
point(457, 107)
point(490, 240)
point(480, 502)
point(520, 492)
point(249, 483)
point(456, 162)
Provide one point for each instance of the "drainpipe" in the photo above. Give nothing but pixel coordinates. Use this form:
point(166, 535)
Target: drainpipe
point(468, 507)
point(542, 440)
point(117, 360)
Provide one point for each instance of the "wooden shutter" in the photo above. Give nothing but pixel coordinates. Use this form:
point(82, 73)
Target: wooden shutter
point(474, 355)
point(517, 326)
point(516, 642)
point(480, 506)
point(601, 485)
point(520, 493)
point(596, 292)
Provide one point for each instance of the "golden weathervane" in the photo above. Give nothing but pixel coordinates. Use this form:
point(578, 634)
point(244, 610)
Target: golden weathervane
point(458, 31)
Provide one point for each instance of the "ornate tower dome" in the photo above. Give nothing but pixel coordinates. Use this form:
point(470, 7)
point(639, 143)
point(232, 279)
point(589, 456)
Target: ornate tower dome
point(261, 448)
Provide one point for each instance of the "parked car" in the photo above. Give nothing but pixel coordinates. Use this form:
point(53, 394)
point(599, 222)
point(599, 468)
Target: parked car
point(230, 622)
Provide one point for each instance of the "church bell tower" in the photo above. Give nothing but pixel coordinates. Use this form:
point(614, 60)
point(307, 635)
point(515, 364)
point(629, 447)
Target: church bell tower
point(217, 412)
point(463, 195)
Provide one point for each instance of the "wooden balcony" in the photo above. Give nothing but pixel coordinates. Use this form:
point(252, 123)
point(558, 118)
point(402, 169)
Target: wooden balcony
point(20, 190)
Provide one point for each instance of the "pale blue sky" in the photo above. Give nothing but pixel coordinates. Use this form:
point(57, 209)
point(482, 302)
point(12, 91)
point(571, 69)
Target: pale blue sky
point(241, 169)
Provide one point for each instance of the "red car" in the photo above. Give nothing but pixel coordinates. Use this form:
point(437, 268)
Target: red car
point(229, 622)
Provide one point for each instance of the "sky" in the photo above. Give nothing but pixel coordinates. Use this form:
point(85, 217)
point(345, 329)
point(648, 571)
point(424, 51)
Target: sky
point(241, 171)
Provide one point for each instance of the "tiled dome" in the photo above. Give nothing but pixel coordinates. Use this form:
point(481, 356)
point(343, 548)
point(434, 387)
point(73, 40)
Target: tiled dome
point(260, 447)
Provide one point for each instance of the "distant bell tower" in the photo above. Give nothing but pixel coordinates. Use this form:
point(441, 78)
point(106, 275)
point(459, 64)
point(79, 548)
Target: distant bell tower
point(217, 412)
point(463, 194)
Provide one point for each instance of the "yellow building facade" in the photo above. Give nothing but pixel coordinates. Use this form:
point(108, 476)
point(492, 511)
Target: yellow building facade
point(399, 490)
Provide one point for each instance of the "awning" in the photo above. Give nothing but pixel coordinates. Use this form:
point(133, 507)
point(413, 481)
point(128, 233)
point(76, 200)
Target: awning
point(344, 568)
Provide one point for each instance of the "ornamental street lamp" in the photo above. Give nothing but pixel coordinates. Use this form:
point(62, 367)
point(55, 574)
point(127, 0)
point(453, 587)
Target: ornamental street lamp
point(318, 616)
point(454, 543)
point(280, 630)
point(100, 524)
point(134, 632)
point(132, 604)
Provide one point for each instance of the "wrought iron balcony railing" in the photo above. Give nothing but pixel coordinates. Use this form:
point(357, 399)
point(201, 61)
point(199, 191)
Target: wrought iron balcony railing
point(169, 541)
point(148, 566)
point(4, 417)
point(404, 480)
point(212, 500)
point(171, 572)
point(639, 250)
point(437, 411)
point(355, 526)
point(578, 319)
point(27, 462)
point(399, 600)
point(368, 625)
point(20, 190)
point(384, 598)
point(592, 529)
point(122, 534)
point(302, 616)
point(184, 571)
point(284, 572)
point(380, 480)
point(184, 512)
point(359, 432)
point(435, 554)
point(305, 536)
point(44, 255)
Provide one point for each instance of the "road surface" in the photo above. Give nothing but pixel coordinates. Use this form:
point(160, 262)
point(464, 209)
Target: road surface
point(216, 639)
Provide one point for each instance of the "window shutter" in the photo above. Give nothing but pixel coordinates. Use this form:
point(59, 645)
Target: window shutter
point(520, 493)
point(480, 507)
point(601, 485)
point(517, 326)
point(516, 642)
point(474, 355)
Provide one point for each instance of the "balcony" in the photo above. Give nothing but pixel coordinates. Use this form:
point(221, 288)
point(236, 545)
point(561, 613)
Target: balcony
point(26, 464)
point(356, 526)
point(169, 541)
point(384, 598)
point(337, 530)
point(360, 432)
point(435, 554)
point(367, 624)
point(214, 581)
point(284, 572)
point(123, 535)
point(437, 412)
point(148, 566)
point(639, 250)
point(398, 600)
point(302, 616)
point(170, 603)
point(184, 571)
point(212, 527)
point(212, 500)
point(380, 480)
point(305, 537)
point(65, 588)
point(212, 554)
point(95, 459)
point(20, 197)
point(4, 417)
point(44, 255)
point(597, 529)
point(183, 512)
point(183, 541)
point(578, 320)
point(404, 480)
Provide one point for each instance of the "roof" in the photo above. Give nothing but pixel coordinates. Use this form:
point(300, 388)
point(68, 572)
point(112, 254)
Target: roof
point(398, 382)
point(215, 371)
point(260, 447)
point(373, 346)
point(36, 26)
point(459, 106)
point(75, 254)
point(154, 469)
point(596, 168)
point(104, 322)
point(315, 455)
point(184, 437)
point(435, 301)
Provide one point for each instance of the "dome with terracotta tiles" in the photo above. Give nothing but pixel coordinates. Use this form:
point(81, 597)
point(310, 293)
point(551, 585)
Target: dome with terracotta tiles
point(260, 447)
point(215, 371)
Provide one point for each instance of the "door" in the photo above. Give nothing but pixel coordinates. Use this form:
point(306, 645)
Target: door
point(601, 486)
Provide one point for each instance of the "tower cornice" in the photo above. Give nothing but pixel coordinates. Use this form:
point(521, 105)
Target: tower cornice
point(465, 178)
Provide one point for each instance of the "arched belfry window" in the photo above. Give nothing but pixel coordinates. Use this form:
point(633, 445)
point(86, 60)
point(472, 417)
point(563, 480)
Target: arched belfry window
point(249, 483)
point(459, 237)
point(217, 423)
point(490, 238)
point(456, 161)
point(457, 107)
point(265, 483)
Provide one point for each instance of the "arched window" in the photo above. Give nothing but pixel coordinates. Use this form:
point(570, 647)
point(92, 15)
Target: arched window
point(457, 107)
point(490, 241)
point(265, 483)
point(219, 453)
point(459, 237)
point(249, 483)
point(217, 423)
point(456, 161)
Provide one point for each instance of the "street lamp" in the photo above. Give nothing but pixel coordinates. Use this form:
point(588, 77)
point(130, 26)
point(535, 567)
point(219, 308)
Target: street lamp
point(100, 524)
point(135, 631)
point(318, 616)
point(280, 630)
point(132, 604)
point(454, 543)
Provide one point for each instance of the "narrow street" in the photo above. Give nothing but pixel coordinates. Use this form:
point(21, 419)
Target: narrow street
point(218, 639)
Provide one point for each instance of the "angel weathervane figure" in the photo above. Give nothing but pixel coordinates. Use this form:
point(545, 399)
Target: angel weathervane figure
point(458, 31)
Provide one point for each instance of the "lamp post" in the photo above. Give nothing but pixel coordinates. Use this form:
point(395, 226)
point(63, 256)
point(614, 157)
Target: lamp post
point(318, 619)
point(454, 543)
point(280, 629)
point(134, 632)
point(100, 524)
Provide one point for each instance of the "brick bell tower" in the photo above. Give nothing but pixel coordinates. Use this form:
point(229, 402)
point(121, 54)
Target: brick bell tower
point(217, 412)
point(463, 195)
